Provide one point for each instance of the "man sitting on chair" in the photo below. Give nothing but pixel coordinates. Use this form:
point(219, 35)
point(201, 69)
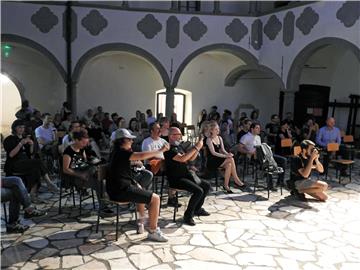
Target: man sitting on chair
point(301, 180)
point(180, 177)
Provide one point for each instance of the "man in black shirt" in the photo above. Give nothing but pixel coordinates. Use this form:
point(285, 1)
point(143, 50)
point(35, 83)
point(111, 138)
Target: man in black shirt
point(180, 177)
point(301, 173)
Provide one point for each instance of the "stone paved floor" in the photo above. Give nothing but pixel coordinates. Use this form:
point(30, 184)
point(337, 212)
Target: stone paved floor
point(244, 231)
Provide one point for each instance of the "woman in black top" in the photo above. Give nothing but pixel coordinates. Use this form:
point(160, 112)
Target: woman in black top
point(18, 160)
point(218, 157)
point(75, 160)
point(122, 186)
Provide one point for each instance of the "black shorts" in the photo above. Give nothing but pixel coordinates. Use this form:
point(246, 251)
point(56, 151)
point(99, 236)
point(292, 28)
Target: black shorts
point(132, 194)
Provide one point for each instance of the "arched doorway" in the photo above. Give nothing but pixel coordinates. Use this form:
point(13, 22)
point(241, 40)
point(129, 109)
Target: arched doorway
point(10, 103)
point(119, 81)
point(40, 73)
point(328, 64)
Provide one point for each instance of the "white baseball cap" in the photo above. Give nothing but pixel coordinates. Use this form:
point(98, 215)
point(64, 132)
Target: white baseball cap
point(123, 133)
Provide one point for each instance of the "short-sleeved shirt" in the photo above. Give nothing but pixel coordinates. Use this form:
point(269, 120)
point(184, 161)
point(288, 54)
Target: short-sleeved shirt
point(77, 158)
point(250, 141)
point(297, 163)
point(273, 129)
point(48, 134)
point(120, 174)
point(149, 144)
point(175, 169)
point(10, 143)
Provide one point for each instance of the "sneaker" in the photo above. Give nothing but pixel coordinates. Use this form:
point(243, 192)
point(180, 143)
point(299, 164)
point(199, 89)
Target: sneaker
point(157, 236)
point(140, 228)
point(16, 228)
point(202, 212)
point(189, 221)
point(36, 200)
point(298, 195)
point(173, 202)
point(33, 213)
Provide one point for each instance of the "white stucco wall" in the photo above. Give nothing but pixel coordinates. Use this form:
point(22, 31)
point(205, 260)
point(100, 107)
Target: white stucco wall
point(119, 82)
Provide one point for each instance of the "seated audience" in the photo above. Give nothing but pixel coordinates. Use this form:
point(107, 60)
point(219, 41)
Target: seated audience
point(18, 160)
point(247, 146)
point(202, 117)
point(219, 157)
point(75, 160)
point(68, 138)
point(65, 110)
point(46, 135)
point(106, 123)
point(153, 143)
point(308, 132)
point(180, 177)
point(65, 125)
point(243, 129)
point(25, 112)
point(213, 114)
point(150, 118)
point(99, 114)
point(303, 177)
point(13, 190)
point(164, 128)
point(122, 186)
point(56, 122)
point(329, 134)
point(114, 125)
point(272, 129)
point(88, 117)
point(283, 133)
point(254, 116)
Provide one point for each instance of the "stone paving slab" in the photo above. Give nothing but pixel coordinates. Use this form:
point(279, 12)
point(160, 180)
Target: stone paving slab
point(244, 231)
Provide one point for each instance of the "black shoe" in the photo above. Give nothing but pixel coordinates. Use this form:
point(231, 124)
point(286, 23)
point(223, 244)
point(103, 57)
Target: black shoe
point(299, 196)
point(16, 228)
point(34, 213)
point(227, 190)
point(189, 221)
point(202, 212)
point(244, 188)
point(173, 202)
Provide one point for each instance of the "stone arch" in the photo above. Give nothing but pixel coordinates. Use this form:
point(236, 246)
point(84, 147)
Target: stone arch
point(240, 52)
point(124, 48)
point(295, 70)
point(20, 87)
point(36, 46)
point(239, 71)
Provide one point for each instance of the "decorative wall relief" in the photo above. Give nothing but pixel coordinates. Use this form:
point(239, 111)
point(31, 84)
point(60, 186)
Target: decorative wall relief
point(307, 20)
point(94, 22)
point(288, 28)
point(236, 30)
point(349, 13)
point(74, 25)
point(256, 34)
point(195, 29)
point(172, 31)
point(149, 26)
point(272, 27)
point(44, 19)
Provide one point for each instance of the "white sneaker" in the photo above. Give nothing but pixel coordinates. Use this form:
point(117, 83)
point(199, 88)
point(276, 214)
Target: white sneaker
point(157, 236)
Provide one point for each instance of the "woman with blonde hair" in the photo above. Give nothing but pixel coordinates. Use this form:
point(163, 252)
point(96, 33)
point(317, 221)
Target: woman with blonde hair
point(218, 157)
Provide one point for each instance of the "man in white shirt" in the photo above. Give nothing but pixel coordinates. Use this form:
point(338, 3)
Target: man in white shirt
point(250, 140)
point(247, 146)
point(155, 142)
point(46, 133)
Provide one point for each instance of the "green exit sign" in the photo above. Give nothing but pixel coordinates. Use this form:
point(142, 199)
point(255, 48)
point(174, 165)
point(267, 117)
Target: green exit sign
point(6, 49)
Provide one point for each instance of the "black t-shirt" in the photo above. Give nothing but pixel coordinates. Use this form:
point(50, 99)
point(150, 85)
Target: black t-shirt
point(273, 129)
point(10, 143)
point(120, 174)
point(175, 169)
point(282, 150)
point(297, 163)
point(77, 158)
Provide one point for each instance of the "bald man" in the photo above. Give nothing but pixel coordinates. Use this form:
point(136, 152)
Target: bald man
point(329, 134)
point(180, 177)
